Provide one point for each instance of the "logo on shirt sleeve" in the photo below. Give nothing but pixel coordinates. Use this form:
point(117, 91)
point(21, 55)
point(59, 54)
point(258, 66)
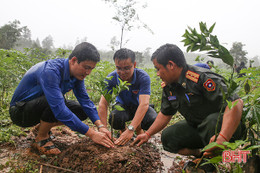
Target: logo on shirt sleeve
point(170, 98)
point(210, 85)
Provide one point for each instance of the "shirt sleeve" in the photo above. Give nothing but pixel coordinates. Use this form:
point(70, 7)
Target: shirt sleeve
point(84, 100)
point(145, 85)
point(168, 107)
point(49, 81)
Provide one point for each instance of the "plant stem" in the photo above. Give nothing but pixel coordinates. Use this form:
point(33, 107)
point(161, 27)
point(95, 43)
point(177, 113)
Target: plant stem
point(112, 122)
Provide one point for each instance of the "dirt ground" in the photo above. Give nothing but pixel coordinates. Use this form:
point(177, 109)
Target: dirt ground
point(80, 154)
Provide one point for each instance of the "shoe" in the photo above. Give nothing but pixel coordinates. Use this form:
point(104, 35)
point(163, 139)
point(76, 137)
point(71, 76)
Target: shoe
point(34, 131)
point(43, 147)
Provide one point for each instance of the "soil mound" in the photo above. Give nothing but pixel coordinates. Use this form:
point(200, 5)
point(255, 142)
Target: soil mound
point(86, 156)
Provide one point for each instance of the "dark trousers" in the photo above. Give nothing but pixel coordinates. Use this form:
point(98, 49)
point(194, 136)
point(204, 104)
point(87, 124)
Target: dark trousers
point(182, 135)
point(28, 114)
point(121, 117)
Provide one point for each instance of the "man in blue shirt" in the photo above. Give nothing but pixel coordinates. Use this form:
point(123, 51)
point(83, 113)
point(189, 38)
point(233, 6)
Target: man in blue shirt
point(208, 65)
point(135, 101)
point(39, 98)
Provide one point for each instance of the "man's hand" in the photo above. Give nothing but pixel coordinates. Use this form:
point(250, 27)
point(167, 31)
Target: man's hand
point(214, 150)
point(124, 137)
point(100, 138)
point(140, 139)
point(105, 131)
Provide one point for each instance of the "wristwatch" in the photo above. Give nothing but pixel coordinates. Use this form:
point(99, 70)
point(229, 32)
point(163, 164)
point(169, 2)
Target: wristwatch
point(131, 128)
point(100, 126)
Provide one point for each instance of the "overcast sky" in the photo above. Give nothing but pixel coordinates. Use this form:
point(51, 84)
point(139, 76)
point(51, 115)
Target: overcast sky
point(67, 20)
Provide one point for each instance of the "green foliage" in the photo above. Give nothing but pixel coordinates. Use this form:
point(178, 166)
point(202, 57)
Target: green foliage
point(17, 165)
point(97, 76)
point(250, 90)
point(156, 89)
point(231, 105)
point(247, 86)
point(9, 34)
point(205, 41)
point(111, 95)
point(237, 145)
point(7, 129)
point(13, 65)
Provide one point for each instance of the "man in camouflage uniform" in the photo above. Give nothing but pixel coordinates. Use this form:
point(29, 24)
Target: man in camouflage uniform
point(196, 94)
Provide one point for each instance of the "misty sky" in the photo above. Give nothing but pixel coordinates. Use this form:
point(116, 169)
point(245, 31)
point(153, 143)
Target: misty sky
point(67, 20)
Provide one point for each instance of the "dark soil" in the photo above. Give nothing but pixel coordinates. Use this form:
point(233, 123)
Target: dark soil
point(80, 154)
point(86, 156)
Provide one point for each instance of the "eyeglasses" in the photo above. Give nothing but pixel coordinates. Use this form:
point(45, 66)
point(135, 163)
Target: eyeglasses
point(127, 68)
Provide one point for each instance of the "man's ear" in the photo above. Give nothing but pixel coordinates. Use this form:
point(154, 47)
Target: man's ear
point(74, 60)
point(171, 65)
point(135, 64)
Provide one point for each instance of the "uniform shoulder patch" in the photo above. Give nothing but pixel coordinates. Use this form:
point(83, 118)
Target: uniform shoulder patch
point(192, 76)
point(163, 84)
point(210, 85)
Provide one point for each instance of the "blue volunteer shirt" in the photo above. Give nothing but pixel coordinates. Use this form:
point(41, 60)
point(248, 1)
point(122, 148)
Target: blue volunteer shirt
point(203, 65)
point(140, 85)
point(52, 79)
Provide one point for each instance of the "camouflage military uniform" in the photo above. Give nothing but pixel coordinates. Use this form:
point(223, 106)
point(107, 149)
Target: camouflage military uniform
point(198, 97)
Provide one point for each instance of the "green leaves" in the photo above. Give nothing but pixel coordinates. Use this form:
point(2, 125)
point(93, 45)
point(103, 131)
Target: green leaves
point(211, 145)
point(231, 105)
point(119, 108)
point(205, 41)
point(234, 145)
point(111, 95)
point(247, 87)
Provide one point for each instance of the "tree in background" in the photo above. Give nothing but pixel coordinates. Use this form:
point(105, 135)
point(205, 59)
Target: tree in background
point(24, 41)
point(238, 53)
point(139, 59)
point(9, 34)
point(47, 45)
point(114, 43)
point(126, 16)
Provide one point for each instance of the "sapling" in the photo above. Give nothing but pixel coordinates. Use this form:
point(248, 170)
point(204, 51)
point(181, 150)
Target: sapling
point(111, 95)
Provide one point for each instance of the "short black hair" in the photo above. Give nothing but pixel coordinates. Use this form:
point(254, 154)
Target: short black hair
point(123, 54)
point(85, 51)
point(169, 52)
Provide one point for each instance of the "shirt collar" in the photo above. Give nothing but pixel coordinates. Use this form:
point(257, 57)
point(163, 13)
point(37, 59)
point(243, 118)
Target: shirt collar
point(133, 80)
point(182, 79)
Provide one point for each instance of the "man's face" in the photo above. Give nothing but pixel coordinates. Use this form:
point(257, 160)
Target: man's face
point(125, 69)
point(82, 69)
point(166, 73)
